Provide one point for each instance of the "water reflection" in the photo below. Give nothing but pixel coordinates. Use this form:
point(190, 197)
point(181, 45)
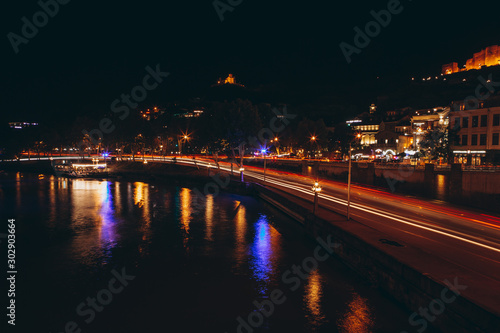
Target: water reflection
point(358, 318)
point(441, 187)
point(209, 215)
point(107, 234)
point(118, 198)
point(312, 298)
point(52, 202)
point(185, 196)
point(264, 253)
point(185, 210)
point(18, 190)
point(240, 231)
point(93, 221)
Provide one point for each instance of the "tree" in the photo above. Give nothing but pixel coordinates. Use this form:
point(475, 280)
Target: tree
point(436, 143)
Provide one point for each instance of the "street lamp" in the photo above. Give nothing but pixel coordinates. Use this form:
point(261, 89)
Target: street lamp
point(241, 174)
point(349, 179)
point(316, 189)
point(183, 138)
point(263, 151)
point(105, 154)
point(313, 139)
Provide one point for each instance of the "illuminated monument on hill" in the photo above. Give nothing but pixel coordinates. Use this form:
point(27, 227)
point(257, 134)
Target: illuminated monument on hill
point(487, 57)
point(230, 79)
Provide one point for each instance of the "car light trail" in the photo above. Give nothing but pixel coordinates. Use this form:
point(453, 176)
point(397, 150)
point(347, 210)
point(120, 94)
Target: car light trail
point(374, 211)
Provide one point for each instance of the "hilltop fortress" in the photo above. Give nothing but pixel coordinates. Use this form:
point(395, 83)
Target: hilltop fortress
point(487, 57)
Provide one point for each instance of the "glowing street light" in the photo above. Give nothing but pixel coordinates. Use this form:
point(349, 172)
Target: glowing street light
point(314, 139)
point(263, 151)
point(316, 190)
point(105, 154)
point(241, 174)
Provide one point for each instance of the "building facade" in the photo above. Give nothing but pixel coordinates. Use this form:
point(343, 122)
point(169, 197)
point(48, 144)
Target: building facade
point(477, 141)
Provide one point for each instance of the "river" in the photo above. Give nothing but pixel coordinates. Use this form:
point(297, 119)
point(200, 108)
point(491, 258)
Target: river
point(130, 256)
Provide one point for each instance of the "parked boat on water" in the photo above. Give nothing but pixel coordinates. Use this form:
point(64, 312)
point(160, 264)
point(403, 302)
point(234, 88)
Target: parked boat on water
point(80, 169)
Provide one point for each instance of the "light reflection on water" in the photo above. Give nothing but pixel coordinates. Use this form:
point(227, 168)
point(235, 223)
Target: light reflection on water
point(240, 252)
point(107, 221)
point(358, 318)
point(93, 221)
point(261, 251)
point(185, 210)
point(441, 190)
point(313, 298)
point(264, 253)
point(104, 217)
point(209, 215)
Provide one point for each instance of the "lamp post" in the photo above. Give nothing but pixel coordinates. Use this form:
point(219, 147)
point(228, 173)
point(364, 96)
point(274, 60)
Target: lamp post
point(349, 180)
point(105, 154)
point(313, 139)
point(264, 153)
point(241, 174)
point(316, 189)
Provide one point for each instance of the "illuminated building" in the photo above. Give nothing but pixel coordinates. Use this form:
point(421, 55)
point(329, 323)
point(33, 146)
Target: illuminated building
point(487, 57)
point(477, 141)
point(230, 79)
point(21, 125)
point(395, 136)
point(152, 113)
point(391, 133)
point(367, 125)
point(184, 113)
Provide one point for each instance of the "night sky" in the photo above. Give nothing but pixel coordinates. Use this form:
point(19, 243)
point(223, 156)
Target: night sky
point(93, 51)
